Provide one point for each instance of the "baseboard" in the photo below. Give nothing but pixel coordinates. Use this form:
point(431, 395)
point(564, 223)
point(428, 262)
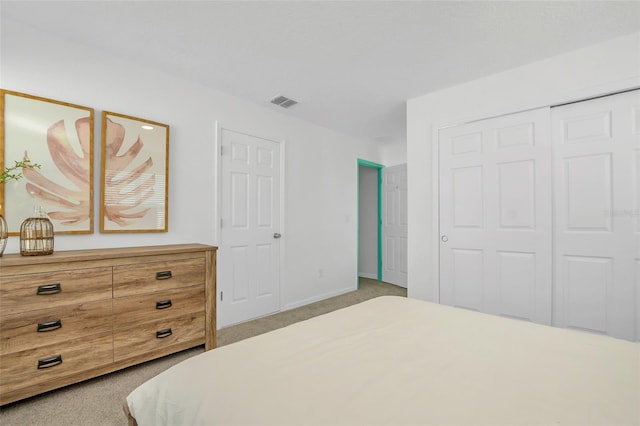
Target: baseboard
point(304, 302)
point(367, 275)
point(396, 284)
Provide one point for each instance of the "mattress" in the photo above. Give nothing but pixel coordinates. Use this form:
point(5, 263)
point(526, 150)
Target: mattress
point(398, 361)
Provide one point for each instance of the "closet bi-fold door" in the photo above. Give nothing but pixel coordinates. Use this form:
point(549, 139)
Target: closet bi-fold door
point(597, 215)
point(495, 216)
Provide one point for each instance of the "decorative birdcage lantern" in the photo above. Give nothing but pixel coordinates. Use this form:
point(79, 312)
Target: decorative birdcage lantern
point(4, 234)
point(36, 235)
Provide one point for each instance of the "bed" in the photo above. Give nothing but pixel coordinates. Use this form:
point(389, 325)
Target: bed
point(398, 361)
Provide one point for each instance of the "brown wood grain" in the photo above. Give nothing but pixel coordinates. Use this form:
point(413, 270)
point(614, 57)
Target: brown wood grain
point(211, 296)
point(135, 279)
point(107, 305)
point(19, 332)
point(20, 369)
point(18, 293)
point(14, 259)
point(141, 339)
point(139, 309)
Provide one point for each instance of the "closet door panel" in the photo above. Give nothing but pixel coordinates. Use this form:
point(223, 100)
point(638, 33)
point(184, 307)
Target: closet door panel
point(517, 281)
point(588, 281)
point(596, 183)
point(495, 216)
point(516, 195)
point(588, 193)
point(467, 193)
point(467, 278)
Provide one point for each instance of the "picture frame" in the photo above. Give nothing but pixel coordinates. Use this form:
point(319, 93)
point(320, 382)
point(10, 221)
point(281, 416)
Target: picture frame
point(58, 136)
point(134, 174)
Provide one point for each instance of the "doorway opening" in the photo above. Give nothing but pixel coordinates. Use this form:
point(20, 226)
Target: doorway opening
point(369, 240)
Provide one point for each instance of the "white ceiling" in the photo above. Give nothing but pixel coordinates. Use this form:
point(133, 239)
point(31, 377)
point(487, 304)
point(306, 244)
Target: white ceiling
point(350, 64)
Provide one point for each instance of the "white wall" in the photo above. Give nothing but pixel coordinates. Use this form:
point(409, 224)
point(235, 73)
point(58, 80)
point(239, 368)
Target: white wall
point(599, 69)
point(320, 167)
point(394, 153)
point(368, 222)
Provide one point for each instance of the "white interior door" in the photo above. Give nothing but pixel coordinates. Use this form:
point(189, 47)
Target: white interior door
point(597, 219)
point(249, 255)
point(495, 216)
point(394, 229)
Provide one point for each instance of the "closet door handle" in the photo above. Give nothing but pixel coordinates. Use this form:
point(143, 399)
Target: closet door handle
point(163, 304)
point(161, 334)
point(163, 275)
point(49, 362)
point(49, 325)
point(46, 289)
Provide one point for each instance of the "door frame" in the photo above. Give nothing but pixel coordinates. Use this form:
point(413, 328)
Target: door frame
point(378, 168)
point(218, 203)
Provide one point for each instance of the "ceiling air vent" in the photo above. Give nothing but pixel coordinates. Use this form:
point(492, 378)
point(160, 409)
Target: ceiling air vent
point(283, 101)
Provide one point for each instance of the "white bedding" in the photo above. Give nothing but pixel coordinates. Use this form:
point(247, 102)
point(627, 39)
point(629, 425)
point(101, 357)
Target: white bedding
point(399, 361)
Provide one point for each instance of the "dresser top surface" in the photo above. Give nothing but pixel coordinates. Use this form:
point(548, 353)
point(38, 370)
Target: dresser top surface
point(15, 259)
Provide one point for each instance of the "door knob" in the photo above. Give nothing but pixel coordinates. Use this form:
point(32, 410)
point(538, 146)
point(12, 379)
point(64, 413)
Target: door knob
point(276, 235)
point(444, 238)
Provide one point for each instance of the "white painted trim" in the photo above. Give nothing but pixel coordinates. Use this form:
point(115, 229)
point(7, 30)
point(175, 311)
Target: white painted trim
point(435, 167)
point(283, 230)
point(397, 285)
point(367, 275)
point(217, 142)
point(318, 298)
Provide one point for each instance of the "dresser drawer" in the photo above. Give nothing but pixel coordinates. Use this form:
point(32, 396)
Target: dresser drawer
point(136, 303)
point(156, 306)
point(28, 292)
point(43, 327)
point(155, 338)
point(34, 366)
point(152, 277)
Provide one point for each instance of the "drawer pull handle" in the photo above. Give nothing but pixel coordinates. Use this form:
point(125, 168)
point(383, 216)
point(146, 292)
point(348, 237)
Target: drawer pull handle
point(49, 362)
point(49, 325)
point(163, 304)
point(163, 275)
point(46, 289)
point(163, 333)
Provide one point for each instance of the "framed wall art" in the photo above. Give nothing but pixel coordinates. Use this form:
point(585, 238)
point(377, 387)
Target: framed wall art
point(135, 174)
point(58, 136)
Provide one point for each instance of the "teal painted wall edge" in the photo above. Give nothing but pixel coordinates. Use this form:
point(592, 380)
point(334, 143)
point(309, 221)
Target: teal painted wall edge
point(379, 168)
point(366, 163)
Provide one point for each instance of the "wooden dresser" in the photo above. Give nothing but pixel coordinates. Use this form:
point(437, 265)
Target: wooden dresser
point(74, 315)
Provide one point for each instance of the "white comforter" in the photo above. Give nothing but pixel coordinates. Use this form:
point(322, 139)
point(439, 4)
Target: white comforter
point(398, 361)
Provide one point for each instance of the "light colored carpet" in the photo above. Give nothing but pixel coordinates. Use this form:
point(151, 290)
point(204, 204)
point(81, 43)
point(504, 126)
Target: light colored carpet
point(99, 401)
